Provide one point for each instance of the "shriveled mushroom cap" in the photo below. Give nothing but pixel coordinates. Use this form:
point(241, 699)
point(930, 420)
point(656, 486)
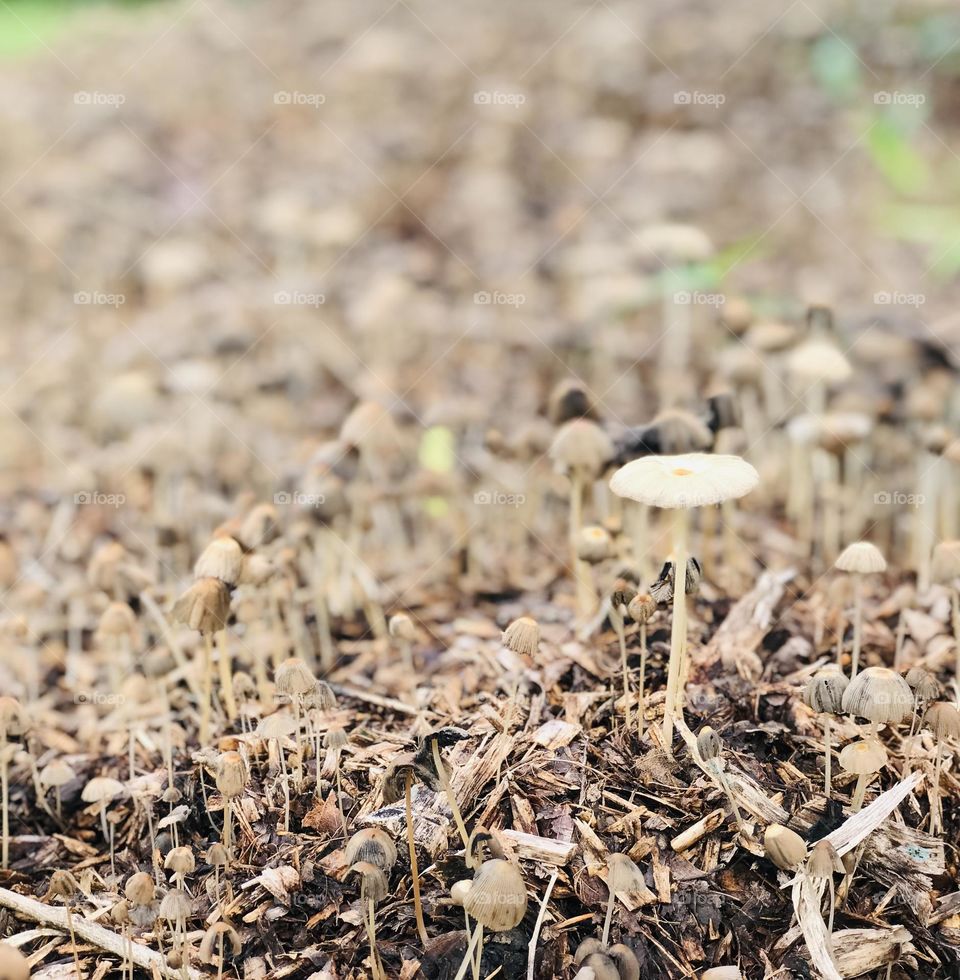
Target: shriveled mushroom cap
point(371, 845)
point(824, 691)
point(824, 862)
point(623, 875)
point(818, 360)
point(211, 940)
point(785, 847)
point(709, 744)
point(642, 606)
point(943, 719)
point(628, 966)
point(12, 718)
point(678, 431)
point(863, 757)
point(205, 606)
point(861, 558)
point(222, 559)
point(100, 789)
point(600, 967)
point(880, 695)
point(691, 480)
point(924, 685)
point(231, 774)
point(140, 889)
point(498, 895)
point(522, 636)
point(581, 445)
point(180, 860)
point(401, 627)
point(588, 947)
point(293, 677)
point(176, 904)
point(459, 891)
point(373, 882)
point(593, 544)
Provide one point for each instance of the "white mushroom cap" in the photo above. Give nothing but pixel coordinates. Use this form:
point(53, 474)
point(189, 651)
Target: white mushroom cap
point(690, 480)
point(862, 558)
point(818, 360)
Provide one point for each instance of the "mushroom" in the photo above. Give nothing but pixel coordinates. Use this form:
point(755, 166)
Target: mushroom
point(522, 637)
point(640, 609)
point(859, 559)
point(63, 885)
point(205, 607)
point(679, 483)
point(785, 847)
point(925, 688)
point(56, 774)
point(13, 964)
point(497, 899)
point(181, 862)
point(824, 695)
point(371, 854)
point(293, 680)
point(863, 758)
point(880, 695)
point(217, 933)
point(103, 789)
point(622, 876)
point(709, 746)
point(943, 719)
point(620, 598)
point(231, 779)
point(581, 450)
point(946, 571)
point(401, 629)
point(397, 782)
point(823, 864)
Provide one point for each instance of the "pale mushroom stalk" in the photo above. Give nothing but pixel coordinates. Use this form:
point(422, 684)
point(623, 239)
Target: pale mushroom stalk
point(642, 678)
point(826, 756)
point(226, 677)
point(207, 699)
point(857, 626)
point(412, 848)
point(617, 618)
point(5, 802)
point(678, 627)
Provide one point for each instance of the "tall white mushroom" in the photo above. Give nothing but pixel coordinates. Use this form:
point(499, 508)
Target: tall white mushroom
point(678, 483)
point(859, 559)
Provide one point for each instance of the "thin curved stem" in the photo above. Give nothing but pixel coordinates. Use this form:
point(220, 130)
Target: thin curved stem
point(414, 872)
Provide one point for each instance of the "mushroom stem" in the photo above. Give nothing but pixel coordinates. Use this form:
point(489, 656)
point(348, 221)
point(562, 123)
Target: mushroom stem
point(608, 918)
point(468, 955)
point(414, 871)
point(451, 799)
point(857, 626)
point(643, 670)
point(833, 903)
point(936, 813)
point(858, 793)
point(618, 626)
point(207, 697)
point(371, 925)
point(678, 628)
point(955, 620)
point(73, 942)
point(826, 755)
point(5, 804)
point(227, 827)
point(226, 677)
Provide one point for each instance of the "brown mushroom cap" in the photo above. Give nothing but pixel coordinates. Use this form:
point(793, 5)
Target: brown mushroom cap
point(231, 774)
point(293, 677)
point(785, 847)
point(863, 757)
point(522, 636)
point(13, 964)
point(371, 845)
point(824, 691)
point(581, 445)
point(205, 606)
point(223, 559)
point(943, 719)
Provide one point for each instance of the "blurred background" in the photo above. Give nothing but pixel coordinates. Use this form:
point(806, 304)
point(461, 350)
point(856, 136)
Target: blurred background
point(223, 223)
